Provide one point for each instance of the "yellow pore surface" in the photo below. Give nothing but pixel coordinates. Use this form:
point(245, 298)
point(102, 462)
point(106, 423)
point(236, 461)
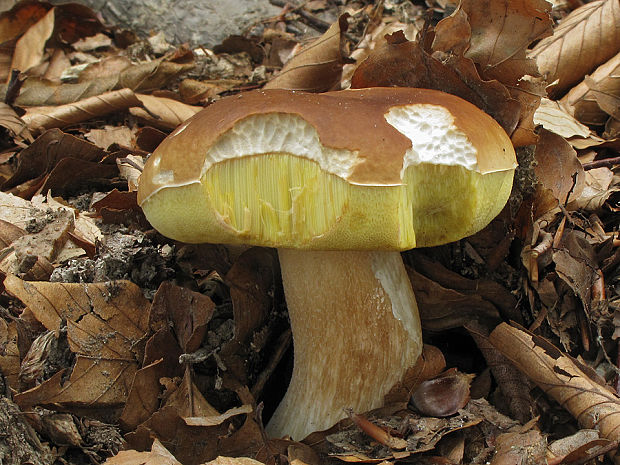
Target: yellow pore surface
point(280, 200)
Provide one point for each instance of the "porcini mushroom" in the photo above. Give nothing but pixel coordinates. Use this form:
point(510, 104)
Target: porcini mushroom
point(339, 182)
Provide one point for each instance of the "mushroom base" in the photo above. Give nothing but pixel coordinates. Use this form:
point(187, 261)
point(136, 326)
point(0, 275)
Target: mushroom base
point(356, 331)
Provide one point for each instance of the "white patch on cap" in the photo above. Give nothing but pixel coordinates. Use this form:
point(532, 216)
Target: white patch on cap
point(434, 136)
point(279, 133)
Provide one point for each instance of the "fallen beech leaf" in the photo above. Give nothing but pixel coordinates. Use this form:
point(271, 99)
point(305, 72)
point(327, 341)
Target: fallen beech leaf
point(185, 311)
point(598, 187)
point(513, 384)
point(558, 168)
point(251, 281)
point(8, 233)
point(162, 112)
point(16, 126)
point(17, 20)
point(30, 47)
point(46, 151)
point(593, 405)
point(9, 353)
point(103, 138)
point(522, 448)
point(158, 455)
point(501, 31)
point(552, 116)
point(318, 66)
point(143, 398)
point(106, 322)
point(38, 118)
point(585, 39)
point(237, 461)
point(583, 101)
point(443, 395)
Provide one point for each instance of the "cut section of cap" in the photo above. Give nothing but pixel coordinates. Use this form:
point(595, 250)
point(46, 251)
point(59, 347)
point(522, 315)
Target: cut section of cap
point(367, 169)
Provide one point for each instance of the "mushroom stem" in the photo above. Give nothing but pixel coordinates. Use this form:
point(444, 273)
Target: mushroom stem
point(356, 331)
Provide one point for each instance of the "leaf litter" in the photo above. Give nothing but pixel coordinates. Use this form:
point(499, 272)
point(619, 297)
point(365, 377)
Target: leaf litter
point(108, 328)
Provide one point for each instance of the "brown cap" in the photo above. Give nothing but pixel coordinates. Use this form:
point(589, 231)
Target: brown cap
point(376, 140)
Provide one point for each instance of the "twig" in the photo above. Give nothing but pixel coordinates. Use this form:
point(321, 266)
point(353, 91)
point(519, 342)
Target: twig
point(604, 163)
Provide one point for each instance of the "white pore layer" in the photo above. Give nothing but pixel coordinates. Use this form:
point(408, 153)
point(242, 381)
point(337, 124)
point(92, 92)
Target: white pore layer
point(277, 132)
point(434, 137)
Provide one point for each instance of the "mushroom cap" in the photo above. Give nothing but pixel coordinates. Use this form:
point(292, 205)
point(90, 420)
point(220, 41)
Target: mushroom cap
point(364, 169)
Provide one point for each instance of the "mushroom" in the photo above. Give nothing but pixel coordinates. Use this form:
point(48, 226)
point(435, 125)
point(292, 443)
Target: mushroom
point(339, 183)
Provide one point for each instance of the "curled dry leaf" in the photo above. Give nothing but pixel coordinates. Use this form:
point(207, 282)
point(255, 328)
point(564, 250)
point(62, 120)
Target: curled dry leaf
point(163, 113)
point(158, 455)
point(106, 323)
point(30, 47)
point(583, 99)
point(9, 353)
point(17, 20)
point(501, 31)
point(585, 39)
point(318, 66)
point(558, 168)
point(552, 116)
point(592, 404)
point(597, 189)
point(40, 118)
point(16, 126)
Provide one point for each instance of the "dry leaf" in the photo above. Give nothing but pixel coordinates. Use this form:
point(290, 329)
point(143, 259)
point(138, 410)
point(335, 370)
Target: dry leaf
point(105, 323)
point(598, 187)
point(585, 39)
point(236, 461)
point(17, 20)
point(9, 353)
point(552, 116)
point(520, 448)
point(592, 404)
point(30, 47)
point(558, 168)
point(163, 113)
point(501, 31)
point(158, 455)
point(318, 66)
point(39, 118)
point(143, 398)
point(582, 99)
point(16, 126)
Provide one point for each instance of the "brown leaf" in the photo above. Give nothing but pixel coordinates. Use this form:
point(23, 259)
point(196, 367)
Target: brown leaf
point(186, 311)
point(163, 113)
point(520, 448)
point(16, 126)
point(598, 187)
point(318, 65)
point(552, 116)
point(444, 395)
point(558, 168)
point(501, 31)
point(251, 281)
point(38, 118)
point(17, 20)
point(8, 233)
point(593, 405)
point(30, 47)
point(106, 323)
point(9, 353)
point(583, 99)
point(143, 398)
point(235, 461)
point(46, 151)
point(585, 39)
point(158, 455)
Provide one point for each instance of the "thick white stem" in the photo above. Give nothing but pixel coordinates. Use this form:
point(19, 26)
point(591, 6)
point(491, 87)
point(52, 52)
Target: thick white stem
point(356, 330)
